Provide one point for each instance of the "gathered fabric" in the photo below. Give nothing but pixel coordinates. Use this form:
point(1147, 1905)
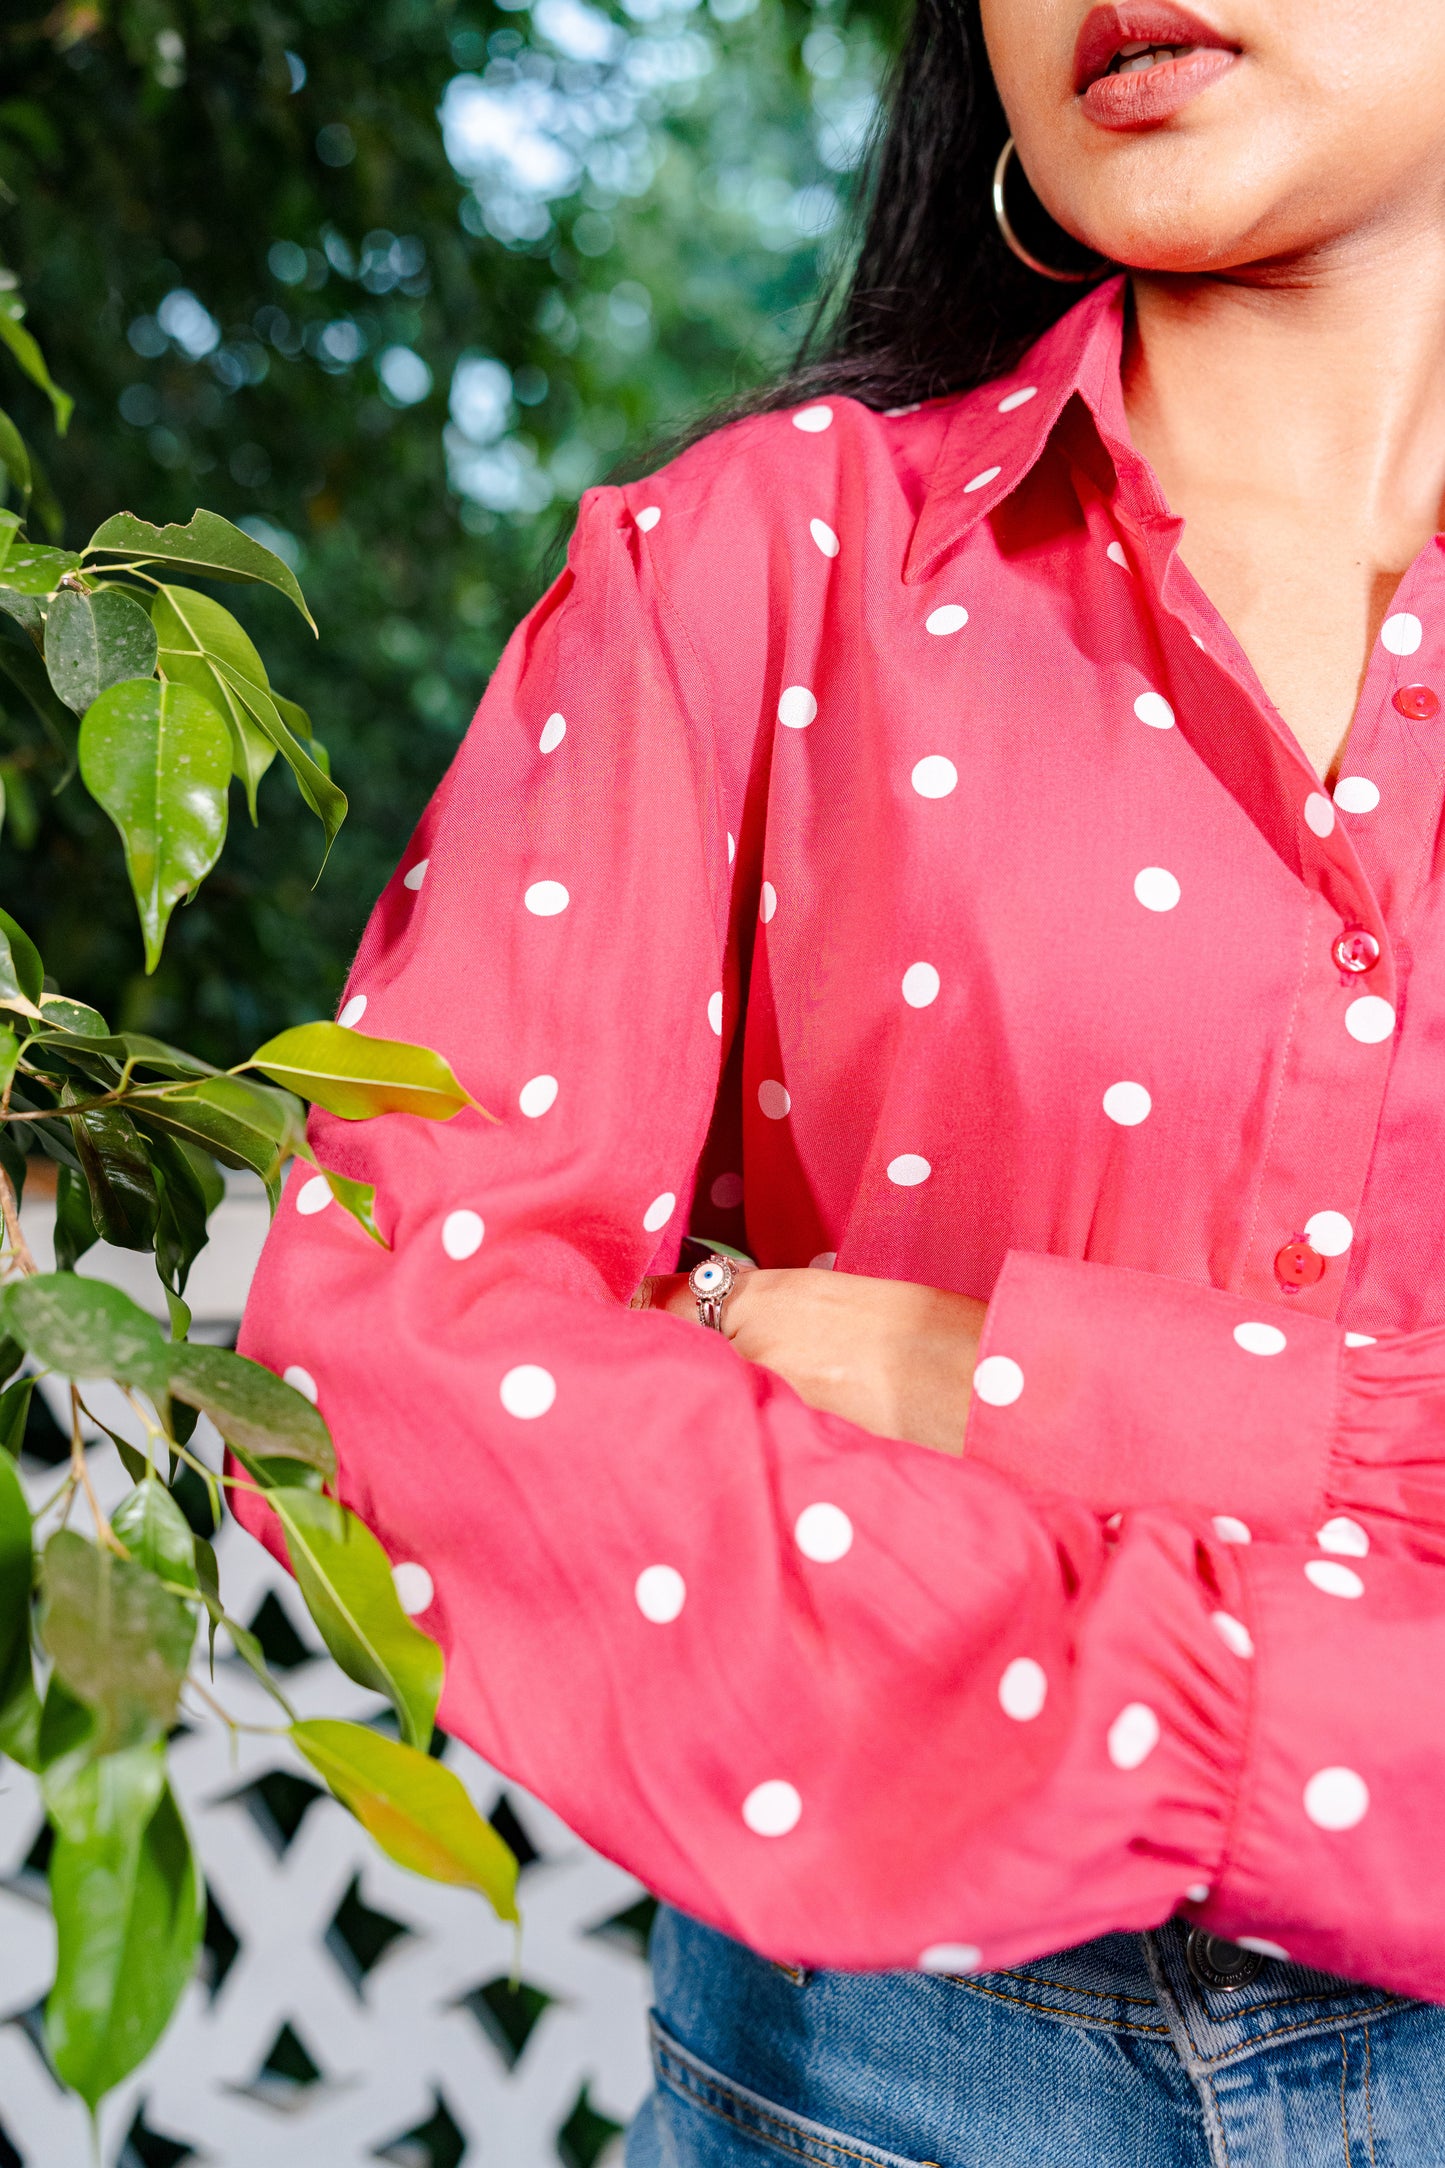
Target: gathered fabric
point(875, 851)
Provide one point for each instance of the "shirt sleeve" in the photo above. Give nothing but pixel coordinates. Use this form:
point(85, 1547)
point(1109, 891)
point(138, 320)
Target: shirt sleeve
point(1126, 1388)
point(854, 1703)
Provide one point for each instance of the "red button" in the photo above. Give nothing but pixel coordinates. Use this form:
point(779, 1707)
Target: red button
point(1297, 1265)
point(1419, 702)
point(1355, 950)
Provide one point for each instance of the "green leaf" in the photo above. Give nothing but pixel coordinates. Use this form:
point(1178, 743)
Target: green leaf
point(9, 1057)
point(251, 1407)
point(325, 798)
point(22, 974)
point(158, 759)
point(357, 1198)
point(354, 1076)
point(240, 1123)
point(346, 1580)
point(207, 544)
point(11, 1356)
point(123, 1199)
point(75, 1230)
point(196, 634)
point(60, 1013)
point(95, 641)
point(156, 1533)
point(21, 663)
point(417, 1809)
point(185, 1205)
point(119, 1640)
point(23, 346)
point(14, 457)
point(19, 1704)
point(30, 568)
point(84, 1329)
point(14, 1408)
point(129, 1906)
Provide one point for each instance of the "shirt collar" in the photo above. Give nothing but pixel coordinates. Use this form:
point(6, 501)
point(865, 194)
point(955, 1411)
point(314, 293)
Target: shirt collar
point(997, 433)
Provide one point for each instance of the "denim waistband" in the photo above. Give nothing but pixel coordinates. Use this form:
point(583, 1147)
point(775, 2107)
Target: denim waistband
point(1143, 1984)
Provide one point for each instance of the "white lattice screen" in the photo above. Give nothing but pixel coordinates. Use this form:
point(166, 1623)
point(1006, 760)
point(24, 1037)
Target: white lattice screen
point(347, 2012)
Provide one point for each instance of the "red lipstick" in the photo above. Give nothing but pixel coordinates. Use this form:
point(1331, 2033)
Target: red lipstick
point(1140, 61)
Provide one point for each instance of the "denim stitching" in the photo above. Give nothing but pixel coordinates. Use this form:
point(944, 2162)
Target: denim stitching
point(1102, 1994)
point(1344, 2118)
point(1049, 2009)
point(772, 2129)
point(1369, 2104)
point(1286, 2032)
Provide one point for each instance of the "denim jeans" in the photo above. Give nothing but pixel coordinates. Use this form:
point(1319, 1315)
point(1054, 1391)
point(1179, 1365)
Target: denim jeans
point(1113, 2055)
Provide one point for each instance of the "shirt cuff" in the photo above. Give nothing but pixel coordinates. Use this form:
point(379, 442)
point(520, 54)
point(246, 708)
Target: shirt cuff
point(1125, 1388)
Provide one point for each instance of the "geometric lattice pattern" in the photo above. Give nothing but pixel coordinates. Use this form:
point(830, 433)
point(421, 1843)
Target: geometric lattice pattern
point(344, 2011)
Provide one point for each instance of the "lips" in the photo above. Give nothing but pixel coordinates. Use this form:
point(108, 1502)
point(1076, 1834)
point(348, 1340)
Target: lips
point(1137, 62)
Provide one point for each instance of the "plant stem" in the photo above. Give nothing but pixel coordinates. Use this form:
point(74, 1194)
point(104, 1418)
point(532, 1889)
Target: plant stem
point(9, 1206)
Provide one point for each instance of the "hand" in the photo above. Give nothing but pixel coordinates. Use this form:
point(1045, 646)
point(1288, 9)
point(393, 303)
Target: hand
point(895, 1358)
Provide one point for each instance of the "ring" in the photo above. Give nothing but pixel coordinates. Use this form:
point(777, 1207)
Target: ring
point(710, 1282)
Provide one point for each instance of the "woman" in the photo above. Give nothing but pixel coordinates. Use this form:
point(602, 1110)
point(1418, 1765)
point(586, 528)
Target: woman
point(985, 846)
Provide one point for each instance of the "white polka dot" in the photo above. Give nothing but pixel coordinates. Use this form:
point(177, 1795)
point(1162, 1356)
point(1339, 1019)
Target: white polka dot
point(661, 1593)
point(714, 1012)
point(1116, 556)
point(732, 847)
point(824, 536)
point(896, 413)
point(1259, 1339)
point(415, 875)
point(1230, 1530)
point(998, 1381)
point(1262, 1948)
point(935, 776)
point(1156, 889)
point(1154, 709)
point(527, 1391)
point(314, 1195)
point(948, 617)
point(1356, 794)
point(1133, 1735)
point(544, 899)
point(1127, 1104)
point(1023, 1689)
point(823, 1533)
point(767, 902)
point(1232, 1632)
point(1329, 1233)
point(951, 1957)
point(908, 1170)
point(300, 1381)
point(1198, 1893)
point(1336, 1798)
point(1319, 813)
point(771, 1810)
point(727, 1192)
point(659, 1212)
point(554, 730)
point(354, 1011)
point(462, 1234)
point(1016, 399)
point(1359, 1339)
point(981, 481)
point(813, 419)
point(537, 1096)
point(824, 1261)
point(1402, 633)
point(1333, 1579)
point(1370, 1019)
point(1343, 1536)
point(774, 1098)
point(648, 517)
point(415, 1589)
point(796, 707)
point(920, 985)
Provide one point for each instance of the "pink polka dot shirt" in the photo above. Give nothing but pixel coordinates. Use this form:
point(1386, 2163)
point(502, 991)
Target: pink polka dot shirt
point(875, 852)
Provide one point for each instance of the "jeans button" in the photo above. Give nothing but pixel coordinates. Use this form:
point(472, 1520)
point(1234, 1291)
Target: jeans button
point(1220, 1964)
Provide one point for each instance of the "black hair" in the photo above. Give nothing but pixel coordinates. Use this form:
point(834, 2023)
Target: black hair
point(934, 301)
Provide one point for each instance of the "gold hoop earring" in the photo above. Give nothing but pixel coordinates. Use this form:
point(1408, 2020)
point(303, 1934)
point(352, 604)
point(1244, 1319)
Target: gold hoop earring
point(1012, 241)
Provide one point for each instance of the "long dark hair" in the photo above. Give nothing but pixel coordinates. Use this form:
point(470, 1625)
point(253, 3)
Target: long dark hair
point(934, 301)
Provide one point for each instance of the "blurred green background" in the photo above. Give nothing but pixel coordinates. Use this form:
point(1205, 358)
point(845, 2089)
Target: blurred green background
point(390, 282)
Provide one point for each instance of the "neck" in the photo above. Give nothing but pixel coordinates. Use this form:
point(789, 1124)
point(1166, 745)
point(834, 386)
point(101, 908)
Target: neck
point(1321, 387)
